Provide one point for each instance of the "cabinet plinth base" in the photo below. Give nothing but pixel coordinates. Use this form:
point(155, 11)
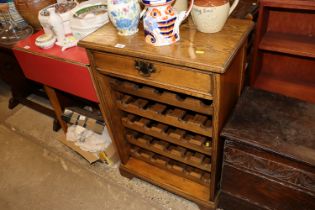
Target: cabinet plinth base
point(125, 173)
point(186, 188)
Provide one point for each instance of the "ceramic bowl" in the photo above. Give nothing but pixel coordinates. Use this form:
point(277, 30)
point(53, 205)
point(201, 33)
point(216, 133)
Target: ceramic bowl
point(89, 16)
point(45, 41)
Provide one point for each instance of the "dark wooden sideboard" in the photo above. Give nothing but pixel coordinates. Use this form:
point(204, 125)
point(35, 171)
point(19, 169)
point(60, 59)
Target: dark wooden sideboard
point(269, 154)
point(165, 106)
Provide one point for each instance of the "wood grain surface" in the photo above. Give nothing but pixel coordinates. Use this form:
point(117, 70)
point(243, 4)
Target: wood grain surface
point(208, 52)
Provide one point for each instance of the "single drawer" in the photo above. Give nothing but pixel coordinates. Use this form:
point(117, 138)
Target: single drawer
point(163, 74)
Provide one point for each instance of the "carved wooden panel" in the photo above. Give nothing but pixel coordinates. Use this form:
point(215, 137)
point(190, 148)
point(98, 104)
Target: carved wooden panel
point(286, 174)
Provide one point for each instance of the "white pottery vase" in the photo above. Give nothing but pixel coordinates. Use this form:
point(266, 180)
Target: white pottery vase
point(210, 15)
point(57, 25)
point(125, 15)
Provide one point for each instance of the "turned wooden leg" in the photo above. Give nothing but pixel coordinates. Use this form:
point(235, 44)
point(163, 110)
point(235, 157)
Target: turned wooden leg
point(56, 125)
point(55, 103)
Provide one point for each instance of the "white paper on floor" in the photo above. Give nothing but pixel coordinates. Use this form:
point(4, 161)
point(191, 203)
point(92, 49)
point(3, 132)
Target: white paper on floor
point(88, 140)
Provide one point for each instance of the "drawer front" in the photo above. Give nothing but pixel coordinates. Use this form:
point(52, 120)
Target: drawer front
point(167, 74)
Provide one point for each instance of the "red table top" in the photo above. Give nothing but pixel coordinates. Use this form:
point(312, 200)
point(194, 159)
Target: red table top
point(76, 55)
point(64, 70)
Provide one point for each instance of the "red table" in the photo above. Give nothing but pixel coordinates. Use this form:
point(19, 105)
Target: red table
point(67, 71)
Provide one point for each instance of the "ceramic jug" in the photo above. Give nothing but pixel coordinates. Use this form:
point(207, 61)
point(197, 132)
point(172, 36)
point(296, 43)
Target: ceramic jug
point(161, 21)
point(210, 15)
point(125, 15)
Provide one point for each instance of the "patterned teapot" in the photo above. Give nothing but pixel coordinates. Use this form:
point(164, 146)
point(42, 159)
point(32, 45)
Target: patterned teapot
point(161, 22)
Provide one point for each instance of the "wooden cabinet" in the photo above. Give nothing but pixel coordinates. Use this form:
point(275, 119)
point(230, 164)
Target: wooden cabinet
point(269, 154)
point(284, 55)
point(166, 105)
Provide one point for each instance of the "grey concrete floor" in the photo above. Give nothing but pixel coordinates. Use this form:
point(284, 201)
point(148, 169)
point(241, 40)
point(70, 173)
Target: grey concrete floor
point(39, 172)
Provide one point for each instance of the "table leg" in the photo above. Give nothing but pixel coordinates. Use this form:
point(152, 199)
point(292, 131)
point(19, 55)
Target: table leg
point(55, 102)
point(13, 102)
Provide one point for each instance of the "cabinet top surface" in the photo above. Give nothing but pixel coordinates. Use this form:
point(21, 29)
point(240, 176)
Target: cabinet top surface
point(207, 52)
point(275, 123)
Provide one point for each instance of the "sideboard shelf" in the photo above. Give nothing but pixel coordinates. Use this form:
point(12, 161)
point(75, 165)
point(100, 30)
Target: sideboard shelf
point(295, 88)
point(284, 48)
point(300, 45)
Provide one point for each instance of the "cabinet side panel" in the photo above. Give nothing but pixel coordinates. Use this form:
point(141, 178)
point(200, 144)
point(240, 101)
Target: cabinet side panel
point(111, 114)
point(261, 28)
point(228, 88)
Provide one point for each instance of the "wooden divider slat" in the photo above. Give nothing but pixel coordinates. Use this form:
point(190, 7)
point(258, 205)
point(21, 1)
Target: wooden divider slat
point(175, 167)
point(164, 96)
point(170, 151)
point(191, 122)
point(173, 135)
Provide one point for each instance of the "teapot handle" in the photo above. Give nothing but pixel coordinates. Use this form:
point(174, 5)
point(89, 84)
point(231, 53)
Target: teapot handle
point(235, 3)
point(143, 12)
point(189, 9)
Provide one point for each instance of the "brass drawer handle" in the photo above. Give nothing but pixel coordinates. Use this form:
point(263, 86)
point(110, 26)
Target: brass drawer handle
point(144, 68)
